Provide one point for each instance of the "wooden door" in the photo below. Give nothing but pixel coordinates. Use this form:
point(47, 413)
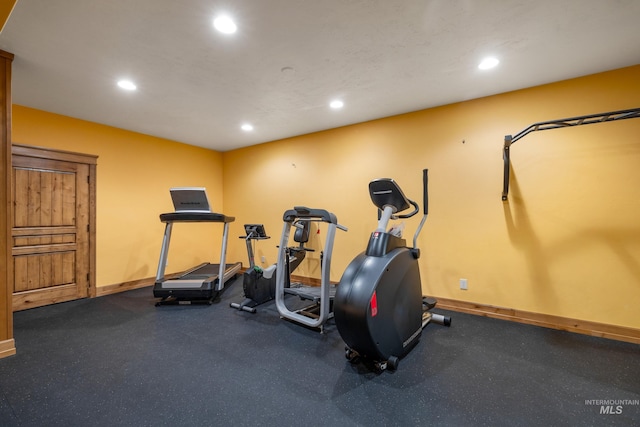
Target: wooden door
point(53, 221)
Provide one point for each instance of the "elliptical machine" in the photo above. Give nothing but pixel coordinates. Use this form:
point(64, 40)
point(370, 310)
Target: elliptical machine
point(259, 285)
point(379, 309)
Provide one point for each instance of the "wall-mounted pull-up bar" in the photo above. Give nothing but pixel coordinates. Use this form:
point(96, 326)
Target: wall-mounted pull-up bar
point(554, 124)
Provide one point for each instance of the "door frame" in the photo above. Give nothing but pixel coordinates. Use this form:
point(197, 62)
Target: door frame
point(73, 157)
point(7, 343)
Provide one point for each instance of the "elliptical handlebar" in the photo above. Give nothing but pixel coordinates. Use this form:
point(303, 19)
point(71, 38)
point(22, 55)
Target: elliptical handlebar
point(425, 192)
point(425, 187)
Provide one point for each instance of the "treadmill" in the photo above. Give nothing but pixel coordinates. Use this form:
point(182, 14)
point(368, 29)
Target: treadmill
point(203, 283)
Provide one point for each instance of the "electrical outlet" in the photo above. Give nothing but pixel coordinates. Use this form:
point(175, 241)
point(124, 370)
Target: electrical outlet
point(463, 284)
point(263, 259)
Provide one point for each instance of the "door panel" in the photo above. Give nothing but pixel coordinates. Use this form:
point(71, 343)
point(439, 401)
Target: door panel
point(51, 224)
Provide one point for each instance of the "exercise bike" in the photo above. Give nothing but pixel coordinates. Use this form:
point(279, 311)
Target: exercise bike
point(379, 308)
point(259, 285)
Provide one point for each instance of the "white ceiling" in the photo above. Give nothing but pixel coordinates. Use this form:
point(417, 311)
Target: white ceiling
point(381, 57)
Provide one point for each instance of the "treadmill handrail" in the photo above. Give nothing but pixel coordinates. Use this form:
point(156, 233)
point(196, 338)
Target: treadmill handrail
point(170, 218)
point(195, 217)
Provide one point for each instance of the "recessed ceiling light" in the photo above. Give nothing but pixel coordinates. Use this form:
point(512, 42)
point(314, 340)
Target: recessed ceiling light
point(336, 104)
point(488, 63)
point(127, 85)
point(225, 25)
point(247, 127)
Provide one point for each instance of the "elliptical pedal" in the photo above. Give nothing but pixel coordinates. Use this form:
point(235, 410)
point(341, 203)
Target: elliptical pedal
point(428, 303)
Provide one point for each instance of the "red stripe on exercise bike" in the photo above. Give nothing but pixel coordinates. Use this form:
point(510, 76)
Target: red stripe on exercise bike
point(374, 304)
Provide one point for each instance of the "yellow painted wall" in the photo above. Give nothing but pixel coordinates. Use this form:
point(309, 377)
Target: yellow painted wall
point(567, 242)
point(134, 174)
point(6, 7)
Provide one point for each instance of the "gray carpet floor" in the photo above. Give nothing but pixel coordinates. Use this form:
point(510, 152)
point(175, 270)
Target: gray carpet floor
point(120, 361)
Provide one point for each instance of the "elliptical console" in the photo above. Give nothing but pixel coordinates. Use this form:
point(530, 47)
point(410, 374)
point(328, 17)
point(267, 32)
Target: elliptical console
point(379, 308)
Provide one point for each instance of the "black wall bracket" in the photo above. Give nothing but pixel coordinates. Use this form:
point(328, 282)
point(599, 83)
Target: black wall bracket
point(509, 140)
